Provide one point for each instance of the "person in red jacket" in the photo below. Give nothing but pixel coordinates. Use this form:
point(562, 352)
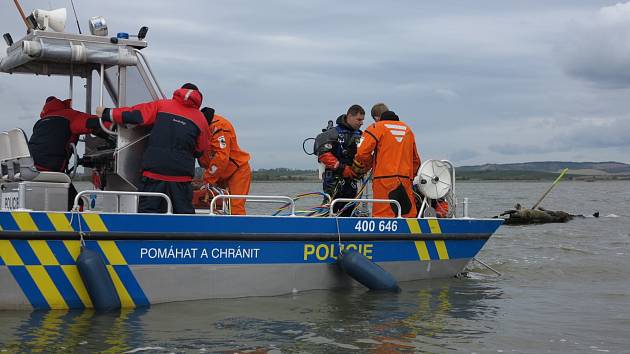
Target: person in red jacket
point(179, 134)
point(227, 164)
point(60, 126)
point(389, 147)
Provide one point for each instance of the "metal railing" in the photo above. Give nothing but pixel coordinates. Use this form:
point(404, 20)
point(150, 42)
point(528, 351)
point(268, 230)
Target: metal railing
point(255, 198)
point(359, 200)
point(169, 205)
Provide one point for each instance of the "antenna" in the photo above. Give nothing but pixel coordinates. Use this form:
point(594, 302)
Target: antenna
point(29, 26)
point(75, 15)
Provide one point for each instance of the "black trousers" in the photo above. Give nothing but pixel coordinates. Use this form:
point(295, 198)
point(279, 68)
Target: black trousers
point(181, 194)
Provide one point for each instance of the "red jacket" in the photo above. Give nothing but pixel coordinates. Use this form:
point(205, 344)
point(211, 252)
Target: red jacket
point(59, 126)
point(179, 134)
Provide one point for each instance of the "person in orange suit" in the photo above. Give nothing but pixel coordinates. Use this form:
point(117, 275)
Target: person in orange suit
point(389, 147)
point(228, 165)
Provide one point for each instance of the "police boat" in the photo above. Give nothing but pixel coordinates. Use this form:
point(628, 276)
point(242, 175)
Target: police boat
point(157, 258)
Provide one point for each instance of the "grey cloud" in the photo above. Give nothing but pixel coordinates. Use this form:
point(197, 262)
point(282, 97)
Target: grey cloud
point(584, 134)
point(462, 155)
point(606, 134)
point(597, 49)
point(519, 149)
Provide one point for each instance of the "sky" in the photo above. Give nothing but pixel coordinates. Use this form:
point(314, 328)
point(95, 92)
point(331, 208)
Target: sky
point(478, 81)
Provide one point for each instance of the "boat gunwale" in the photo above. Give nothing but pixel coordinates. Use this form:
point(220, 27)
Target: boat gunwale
point(198, 236)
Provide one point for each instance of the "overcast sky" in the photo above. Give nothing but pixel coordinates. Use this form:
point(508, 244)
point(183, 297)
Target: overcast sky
point(478, 81)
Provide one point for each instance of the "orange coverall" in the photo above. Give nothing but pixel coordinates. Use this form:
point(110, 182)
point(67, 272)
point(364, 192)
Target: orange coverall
point(228, 165)
point(393, 146)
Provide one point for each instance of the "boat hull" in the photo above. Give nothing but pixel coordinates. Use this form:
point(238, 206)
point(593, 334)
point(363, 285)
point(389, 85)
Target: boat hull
point(204, 257)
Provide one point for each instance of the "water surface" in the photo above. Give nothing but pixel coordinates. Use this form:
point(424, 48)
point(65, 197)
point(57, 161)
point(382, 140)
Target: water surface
point(564, 288)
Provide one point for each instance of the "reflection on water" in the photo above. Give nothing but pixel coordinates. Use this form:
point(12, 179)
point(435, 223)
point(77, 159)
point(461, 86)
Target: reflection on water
point(424, 315)
point(71, 331)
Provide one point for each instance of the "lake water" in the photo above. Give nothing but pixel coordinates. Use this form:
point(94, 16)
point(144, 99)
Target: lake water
point(564, 288)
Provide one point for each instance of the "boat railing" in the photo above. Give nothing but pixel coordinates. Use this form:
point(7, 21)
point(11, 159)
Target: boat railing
point(362, 200)
point(255, 198)
point(118, 194)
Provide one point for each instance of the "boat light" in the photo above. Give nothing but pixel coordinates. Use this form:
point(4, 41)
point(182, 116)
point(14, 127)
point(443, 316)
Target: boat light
point(98, 26)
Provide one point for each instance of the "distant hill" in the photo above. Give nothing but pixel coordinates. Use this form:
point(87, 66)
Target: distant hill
point(545, 170)
point(527, 171)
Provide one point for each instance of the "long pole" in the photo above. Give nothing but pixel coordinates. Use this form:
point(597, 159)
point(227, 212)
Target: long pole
point(19, 8)
point(551, 187)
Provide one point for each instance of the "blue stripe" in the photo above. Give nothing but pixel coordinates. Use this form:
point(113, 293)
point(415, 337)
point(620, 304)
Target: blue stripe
point(134, 289)
point(257, 224)
point(433, 253)
point(65, 287)
point(42, 221)
point(61, 252)
point(29, 288)
point(1, 262)
point(26, 252)
point(7, 222)
point(463, 248)
point(424, 226)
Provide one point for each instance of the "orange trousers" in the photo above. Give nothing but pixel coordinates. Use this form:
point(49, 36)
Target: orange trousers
point(381, 187)
point(238, 183)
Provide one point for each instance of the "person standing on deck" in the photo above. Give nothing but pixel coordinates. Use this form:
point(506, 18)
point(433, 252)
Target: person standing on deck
point(335, 149)
point(57, 129)
point(227, 164)
point(389, 147)
point(179, 134)
point(377, 110)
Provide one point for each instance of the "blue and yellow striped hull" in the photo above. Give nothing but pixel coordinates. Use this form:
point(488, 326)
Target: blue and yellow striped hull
point(162, 258)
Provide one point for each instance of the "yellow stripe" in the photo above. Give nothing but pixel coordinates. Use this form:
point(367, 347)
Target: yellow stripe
point(125, 299)
point(72, 273)
point(60, 222)
point(9, 254)
point(441, 249)
point(112, 253)
point(43, 252)
point(24, 221)
point(74, 248)
point(47, 287)
point(435, 226)
point(94, 222)
point(423, 252)
point(414, 226)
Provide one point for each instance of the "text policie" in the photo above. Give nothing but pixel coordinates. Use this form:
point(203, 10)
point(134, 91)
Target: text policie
point(326, 251)
point(196, 253)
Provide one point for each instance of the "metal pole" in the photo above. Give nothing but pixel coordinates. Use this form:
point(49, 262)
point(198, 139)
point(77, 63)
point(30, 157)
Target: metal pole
point(551, 187)
point(71, 84)
point(465, 207)
point(19, 8)
point(487, 266)
point(100, 101)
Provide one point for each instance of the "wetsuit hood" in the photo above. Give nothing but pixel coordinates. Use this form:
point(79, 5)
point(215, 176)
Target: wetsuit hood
point(389, 115)
point(54, 105)
point(188, 97)
point(341, 120)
